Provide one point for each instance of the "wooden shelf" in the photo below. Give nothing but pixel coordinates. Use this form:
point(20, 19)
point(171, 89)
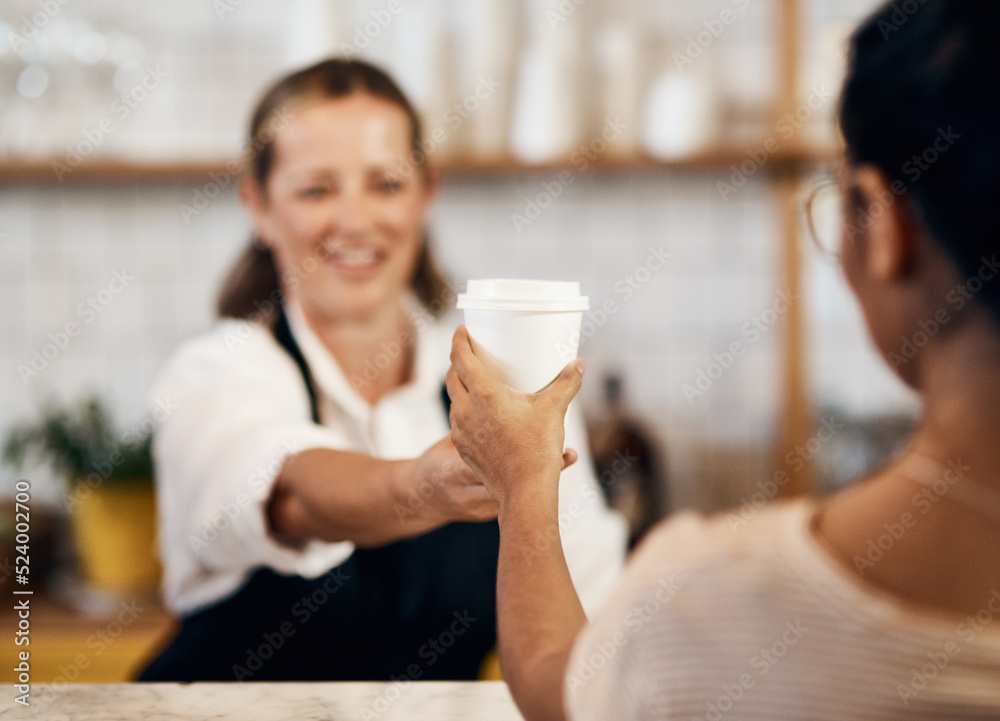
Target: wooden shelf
point(107, 171)
point(714, 159)
point(13, 171)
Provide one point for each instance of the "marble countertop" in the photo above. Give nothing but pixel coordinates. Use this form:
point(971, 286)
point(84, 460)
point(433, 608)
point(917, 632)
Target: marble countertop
point(412, 701)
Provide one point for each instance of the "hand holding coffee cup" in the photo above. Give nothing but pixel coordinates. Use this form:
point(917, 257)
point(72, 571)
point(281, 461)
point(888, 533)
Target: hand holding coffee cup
point(512, 441)
point(513, 378)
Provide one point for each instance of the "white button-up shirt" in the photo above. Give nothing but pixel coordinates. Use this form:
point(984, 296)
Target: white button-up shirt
point(241, 409)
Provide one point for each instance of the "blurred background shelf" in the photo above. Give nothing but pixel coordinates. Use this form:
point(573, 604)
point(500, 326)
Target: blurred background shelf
point(114, 171)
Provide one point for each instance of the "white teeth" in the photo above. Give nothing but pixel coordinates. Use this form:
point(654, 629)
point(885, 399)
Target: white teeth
point(355, 257)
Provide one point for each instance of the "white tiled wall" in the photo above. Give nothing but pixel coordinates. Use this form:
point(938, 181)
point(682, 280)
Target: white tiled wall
point(62, 245)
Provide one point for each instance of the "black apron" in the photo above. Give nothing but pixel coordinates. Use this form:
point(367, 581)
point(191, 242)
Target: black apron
point(420, 608)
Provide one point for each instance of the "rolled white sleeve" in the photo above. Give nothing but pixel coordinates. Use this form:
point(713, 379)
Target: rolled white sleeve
point(238, 410)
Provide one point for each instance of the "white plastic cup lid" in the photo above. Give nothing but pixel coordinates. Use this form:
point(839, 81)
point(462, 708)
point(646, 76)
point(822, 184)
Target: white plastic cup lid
point(523, 295)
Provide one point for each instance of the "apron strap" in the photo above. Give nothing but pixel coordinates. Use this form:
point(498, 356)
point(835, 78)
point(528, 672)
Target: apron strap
point(283, 334)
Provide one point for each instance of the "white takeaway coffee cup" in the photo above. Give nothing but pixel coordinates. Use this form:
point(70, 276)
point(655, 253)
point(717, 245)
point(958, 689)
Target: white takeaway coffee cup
point(524, 331)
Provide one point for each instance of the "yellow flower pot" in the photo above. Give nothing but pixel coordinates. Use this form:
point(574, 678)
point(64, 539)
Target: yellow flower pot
point(114, 528)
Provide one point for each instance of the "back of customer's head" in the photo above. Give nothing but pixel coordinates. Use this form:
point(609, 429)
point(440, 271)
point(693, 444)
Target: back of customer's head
point(921, 103)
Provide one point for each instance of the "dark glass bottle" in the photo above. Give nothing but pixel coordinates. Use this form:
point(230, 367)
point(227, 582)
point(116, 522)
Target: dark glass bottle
point(626, 463)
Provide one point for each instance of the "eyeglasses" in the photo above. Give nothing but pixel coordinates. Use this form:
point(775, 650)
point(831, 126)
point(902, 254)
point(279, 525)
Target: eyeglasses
point(823, 208)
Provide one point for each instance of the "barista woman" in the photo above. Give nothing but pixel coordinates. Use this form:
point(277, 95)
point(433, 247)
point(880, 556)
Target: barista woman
point(316, 520)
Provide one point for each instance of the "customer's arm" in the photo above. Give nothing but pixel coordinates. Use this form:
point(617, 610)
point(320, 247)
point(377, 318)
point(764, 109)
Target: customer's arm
point(333, 495)
point(513, 442)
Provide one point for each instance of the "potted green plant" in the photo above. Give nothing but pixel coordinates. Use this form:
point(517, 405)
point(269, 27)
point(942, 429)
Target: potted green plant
point(109, 490)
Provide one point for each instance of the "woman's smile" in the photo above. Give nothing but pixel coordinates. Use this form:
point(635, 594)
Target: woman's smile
point(354, 262)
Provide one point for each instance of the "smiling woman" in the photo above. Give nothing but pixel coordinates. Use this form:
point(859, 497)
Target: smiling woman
point(307, 476)
point(362, 220)
point(391, 131)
